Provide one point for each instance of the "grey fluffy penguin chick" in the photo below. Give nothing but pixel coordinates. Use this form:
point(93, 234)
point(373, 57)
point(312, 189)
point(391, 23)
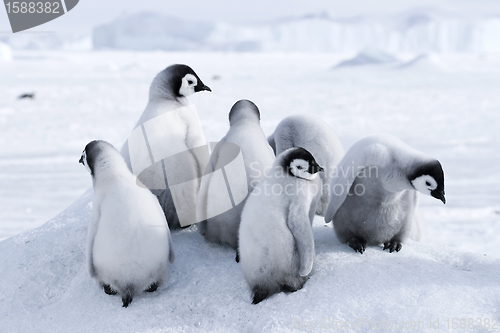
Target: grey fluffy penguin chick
point(276, 243)
point(374, 197)
point(244, 131)
point(313, 134)
point(128, 243)
point(168, 92)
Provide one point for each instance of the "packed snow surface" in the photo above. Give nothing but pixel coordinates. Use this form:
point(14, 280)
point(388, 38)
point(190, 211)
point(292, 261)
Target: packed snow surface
point(45, 287)
point(451, 115)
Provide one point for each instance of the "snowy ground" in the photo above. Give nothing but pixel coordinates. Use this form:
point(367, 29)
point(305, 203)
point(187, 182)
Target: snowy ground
point(45, 287)
point(447, 106)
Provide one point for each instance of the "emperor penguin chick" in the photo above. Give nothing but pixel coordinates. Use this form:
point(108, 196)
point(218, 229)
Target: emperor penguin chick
point(276, 242)
point(244, 131)
point(168, 92)
point(313, 134)
point(128, 244)
point(374, 195)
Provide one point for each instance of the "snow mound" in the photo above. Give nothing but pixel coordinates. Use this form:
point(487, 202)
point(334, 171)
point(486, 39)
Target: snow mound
point(369, 57)
point(421, 62)
point(44, 275)
point(5, 52)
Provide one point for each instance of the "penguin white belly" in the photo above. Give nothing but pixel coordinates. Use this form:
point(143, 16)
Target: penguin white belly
point(170, 137)
point(184, 169)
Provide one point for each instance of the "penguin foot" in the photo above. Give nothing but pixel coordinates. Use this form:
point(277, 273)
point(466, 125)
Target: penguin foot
point(259, 294)
point(127, 299)
point(152, 288)
point(393, 246)
point(108, 290)
point(357, 245)
point(289, 289)
point(237, 256)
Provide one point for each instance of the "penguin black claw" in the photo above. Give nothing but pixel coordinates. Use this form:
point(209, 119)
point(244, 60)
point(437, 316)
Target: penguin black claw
point(393, 246)
point(152, 288)
point(108, 290)
point(237, 259)
point(357, 245)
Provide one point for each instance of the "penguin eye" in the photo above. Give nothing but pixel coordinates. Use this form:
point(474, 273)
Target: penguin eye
point(427, 183)
point(190, 82)
point(299, 167)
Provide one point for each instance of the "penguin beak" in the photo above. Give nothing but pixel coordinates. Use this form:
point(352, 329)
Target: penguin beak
point(316, 168)
point(439, 194)
point(202, 87)
point(81, 160)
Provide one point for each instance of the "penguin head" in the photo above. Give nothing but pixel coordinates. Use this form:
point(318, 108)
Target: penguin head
point(92, 155)
point(301, 164)
point(243, 109)
point(83, 160)
point(177, 81)
point(429, 179)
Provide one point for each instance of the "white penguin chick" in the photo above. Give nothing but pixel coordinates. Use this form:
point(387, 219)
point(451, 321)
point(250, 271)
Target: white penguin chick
point(313, 134)
point(128, 245)
point(168, 92)
point(374, 197)
point(276, 242)
point(244, 131)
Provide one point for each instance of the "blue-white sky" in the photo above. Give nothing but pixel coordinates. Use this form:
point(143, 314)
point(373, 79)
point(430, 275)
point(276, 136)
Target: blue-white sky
point(89, 13)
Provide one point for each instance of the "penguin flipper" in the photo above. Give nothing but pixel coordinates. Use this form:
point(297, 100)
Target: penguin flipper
point(171, 254)
point(272, 142)
point(299, 225)
point(91, 232)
